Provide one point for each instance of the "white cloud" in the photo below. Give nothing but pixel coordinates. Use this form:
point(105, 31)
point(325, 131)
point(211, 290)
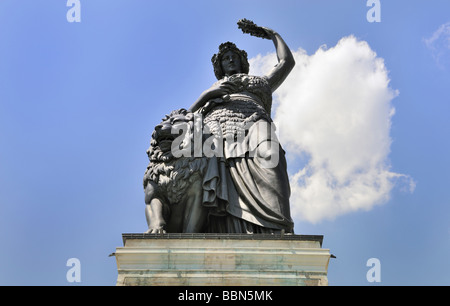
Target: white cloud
point(439, 45)
point(334, 114)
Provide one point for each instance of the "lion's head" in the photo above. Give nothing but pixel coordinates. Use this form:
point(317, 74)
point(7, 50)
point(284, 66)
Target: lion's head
point(164, 166)
point(165, 133)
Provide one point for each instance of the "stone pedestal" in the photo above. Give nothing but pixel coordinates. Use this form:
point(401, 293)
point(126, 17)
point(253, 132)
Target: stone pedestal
point(222, 260)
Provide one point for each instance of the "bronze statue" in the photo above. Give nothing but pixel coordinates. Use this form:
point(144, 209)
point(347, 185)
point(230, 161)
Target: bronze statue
point(239, 184)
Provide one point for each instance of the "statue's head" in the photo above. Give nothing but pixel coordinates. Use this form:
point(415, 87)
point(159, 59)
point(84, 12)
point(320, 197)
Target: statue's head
point(229, 60)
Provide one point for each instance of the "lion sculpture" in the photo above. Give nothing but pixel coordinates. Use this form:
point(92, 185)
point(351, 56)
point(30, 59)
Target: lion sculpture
point(173, 185)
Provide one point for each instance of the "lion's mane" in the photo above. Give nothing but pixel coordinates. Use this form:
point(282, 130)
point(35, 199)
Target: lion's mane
point(172, 175)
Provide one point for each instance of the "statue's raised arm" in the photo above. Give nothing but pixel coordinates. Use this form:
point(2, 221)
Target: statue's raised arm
point(285, 58)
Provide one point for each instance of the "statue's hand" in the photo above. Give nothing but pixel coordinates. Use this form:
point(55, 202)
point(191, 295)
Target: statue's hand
point(220, 89)
point(213, 102)
point(271, 33)
point(249, 27)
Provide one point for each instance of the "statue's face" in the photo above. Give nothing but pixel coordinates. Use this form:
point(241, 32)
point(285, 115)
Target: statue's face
point(231, 63)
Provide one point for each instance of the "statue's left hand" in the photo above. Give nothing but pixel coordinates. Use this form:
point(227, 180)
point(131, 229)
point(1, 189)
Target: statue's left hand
point(248, 26)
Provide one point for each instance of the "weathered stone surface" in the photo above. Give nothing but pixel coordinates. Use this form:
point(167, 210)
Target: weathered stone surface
point(222, 260)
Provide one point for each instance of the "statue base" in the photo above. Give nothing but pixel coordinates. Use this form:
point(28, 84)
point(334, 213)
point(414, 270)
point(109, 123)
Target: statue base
point(222, 260)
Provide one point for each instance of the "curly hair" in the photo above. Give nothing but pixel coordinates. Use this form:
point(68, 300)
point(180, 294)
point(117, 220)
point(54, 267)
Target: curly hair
point(217, 58)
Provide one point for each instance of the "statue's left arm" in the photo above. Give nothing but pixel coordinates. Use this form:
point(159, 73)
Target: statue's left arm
point(285, 60)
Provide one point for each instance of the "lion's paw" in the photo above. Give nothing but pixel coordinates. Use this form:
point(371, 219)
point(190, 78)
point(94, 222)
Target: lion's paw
point(156, 231)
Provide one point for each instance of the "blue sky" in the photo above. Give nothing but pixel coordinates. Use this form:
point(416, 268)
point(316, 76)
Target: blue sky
point(78, 103)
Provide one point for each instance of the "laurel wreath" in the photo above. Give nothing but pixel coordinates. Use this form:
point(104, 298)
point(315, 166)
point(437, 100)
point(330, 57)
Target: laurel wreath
point(249, 27)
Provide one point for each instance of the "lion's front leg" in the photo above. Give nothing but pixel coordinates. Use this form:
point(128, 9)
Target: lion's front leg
point(154, 211)
point(154, 216)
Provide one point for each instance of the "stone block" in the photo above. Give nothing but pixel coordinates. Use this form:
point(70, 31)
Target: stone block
point(222, 260)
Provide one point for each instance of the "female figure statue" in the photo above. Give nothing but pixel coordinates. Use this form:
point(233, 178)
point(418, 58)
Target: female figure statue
point(246, 187)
